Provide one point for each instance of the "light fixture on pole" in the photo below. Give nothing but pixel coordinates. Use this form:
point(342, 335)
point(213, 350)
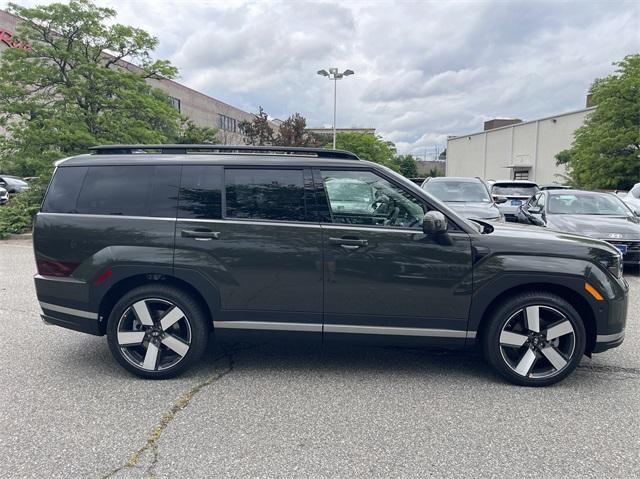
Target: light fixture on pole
point(335, 75)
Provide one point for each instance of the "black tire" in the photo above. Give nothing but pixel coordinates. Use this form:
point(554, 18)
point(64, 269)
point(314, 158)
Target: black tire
point(190, 330)
point(545, 361)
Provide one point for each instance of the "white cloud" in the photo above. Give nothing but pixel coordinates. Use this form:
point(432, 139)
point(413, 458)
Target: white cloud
point(423, 70)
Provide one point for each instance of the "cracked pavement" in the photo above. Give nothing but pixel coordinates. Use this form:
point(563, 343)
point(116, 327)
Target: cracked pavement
point(296, 410)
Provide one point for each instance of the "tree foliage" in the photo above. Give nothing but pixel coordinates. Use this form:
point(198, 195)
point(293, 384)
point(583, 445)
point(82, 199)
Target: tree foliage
point(70, 89)
point(257, 132)
point(606, 149)
point(293, 132)
point(406, 165)
point(368, 147)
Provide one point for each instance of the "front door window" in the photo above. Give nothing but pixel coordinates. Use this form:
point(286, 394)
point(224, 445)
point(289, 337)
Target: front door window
point(364, 198)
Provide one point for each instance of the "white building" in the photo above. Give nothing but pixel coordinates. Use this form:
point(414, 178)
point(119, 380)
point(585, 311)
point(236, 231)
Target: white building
point(522, 150)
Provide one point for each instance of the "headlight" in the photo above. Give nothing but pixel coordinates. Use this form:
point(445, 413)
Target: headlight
point(614, 265)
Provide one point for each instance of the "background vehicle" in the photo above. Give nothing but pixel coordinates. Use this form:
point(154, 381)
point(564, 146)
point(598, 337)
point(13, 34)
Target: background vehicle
point(4, 196)
point(156, 250)
point(516, 192)
point(13, 184)
point(632, 198)
point(467, 196)
point(554, 186)
point(597, 215)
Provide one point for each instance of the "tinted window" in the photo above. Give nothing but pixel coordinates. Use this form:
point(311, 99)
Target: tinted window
point(130, 191)
point(364, 198)
point(265, 194)
point(587, 204)
point(514, 190)
point(458, 191)
point(200, 192)
point(63, 191)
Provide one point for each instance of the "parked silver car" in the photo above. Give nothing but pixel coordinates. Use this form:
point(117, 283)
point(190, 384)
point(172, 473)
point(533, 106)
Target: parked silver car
point(632, 198)
point(4, 196)
point(516, 192)
point(13, 184)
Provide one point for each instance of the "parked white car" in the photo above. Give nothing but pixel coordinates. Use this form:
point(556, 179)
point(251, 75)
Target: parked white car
point(4, 196)
point(633, 197)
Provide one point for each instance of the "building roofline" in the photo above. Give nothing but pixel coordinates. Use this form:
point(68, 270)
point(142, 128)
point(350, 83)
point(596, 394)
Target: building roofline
point(126, 64)
point(515, 125)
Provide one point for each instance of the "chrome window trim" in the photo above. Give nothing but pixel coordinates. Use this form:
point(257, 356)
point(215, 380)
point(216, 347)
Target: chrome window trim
point(70, 311)
point(254, 222)
point(88, 215)
point(334, 226)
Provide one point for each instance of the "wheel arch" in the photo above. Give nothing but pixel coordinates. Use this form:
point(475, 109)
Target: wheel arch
point(576, 300)
point(124, 285)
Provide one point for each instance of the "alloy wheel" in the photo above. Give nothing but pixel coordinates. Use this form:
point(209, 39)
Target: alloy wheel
point(154, 334)
point(537, 342)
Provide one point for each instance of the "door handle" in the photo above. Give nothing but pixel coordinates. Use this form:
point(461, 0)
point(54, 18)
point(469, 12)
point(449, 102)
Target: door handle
point(349, 243)
point(200, 235)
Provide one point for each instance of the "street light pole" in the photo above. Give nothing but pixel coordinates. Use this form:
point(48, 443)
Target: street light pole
point(335, 75)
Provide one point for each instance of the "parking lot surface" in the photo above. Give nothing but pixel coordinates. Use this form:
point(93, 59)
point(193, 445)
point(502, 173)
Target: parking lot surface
point(293, 410)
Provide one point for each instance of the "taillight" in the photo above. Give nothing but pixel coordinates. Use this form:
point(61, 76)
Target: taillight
point(55, 268)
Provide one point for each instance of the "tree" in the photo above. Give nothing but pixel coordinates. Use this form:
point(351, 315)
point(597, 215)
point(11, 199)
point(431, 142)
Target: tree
point(293, 132)
point(368, 147)
point(406, 165)
point(257, 132)
point(70, 89)
point(606, 150)
point(190, 133)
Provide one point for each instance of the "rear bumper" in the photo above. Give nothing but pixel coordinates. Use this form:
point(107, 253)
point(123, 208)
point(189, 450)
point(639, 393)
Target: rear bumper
point(82, 325)
point(65, 302)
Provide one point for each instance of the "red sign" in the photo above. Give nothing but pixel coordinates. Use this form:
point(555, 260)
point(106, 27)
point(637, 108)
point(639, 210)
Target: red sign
point(6, 37)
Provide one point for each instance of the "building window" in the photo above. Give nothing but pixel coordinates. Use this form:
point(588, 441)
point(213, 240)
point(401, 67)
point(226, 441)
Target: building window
point(175, 102)
point(521, 173)
point(226, 123)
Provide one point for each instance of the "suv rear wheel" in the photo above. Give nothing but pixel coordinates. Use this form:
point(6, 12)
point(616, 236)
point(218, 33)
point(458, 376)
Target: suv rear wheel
point(157, 331)
point(534, 339)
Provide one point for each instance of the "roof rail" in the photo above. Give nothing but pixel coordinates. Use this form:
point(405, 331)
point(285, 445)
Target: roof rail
point(222, 149)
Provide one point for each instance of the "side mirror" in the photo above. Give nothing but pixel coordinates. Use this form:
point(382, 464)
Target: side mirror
point(499, 199)
point(434, 223)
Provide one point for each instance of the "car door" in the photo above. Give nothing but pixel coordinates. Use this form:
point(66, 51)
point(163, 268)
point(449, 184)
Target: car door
point(383, 276)
point(246, 231)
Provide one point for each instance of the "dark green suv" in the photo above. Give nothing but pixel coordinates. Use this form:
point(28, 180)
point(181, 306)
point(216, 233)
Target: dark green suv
point(159, 246)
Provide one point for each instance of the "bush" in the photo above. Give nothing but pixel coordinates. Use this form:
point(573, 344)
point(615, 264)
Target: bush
point(17, 215)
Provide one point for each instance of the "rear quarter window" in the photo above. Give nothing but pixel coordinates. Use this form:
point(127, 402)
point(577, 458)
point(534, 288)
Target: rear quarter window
point(145, 190)
point(63, 190)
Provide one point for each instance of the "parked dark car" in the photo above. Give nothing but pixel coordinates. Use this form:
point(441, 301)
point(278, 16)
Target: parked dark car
point(516, 192)
point(597, 215)
point(161, 248)
point(13, 184)
point(467, 196)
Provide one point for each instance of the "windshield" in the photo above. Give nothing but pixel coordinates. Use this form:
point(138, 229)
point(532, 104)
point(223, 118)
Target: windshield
point(458, 191)
point(586, 204)
point(514, 190)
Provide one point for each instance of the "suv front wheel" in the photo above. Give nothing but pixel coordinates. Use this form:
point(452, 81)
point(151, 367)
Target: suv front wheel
point(534, 339)
point(157, 331)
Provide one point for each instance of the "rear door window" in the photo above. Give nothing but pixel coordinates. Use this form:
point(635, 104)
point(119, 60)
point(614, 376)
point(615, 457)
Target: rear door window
point(201, 192)
point(63, 191)
point(145, 190)
point(266, 194)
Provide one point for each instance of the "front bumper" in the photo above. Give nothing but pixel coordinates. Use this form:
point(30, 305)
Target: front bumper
point(611, 333)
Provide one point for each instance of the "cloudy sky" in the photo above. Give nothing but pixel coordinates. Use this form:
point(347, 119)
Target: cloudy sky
point(424, 70)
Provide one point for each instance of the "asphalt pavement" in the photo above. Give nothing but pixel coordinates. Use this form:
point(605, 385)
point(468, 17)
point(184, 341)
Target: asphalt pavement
point(67, 410)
